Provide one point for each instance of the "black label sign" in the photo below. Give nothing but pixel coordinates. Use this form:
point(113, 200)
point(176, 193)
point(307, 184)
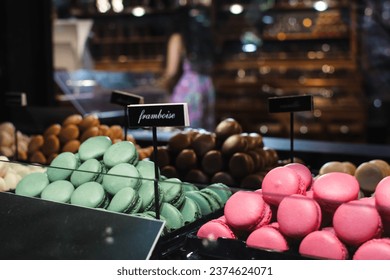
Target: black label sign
point(124, 98)
point(157, 115)
point(290, 103)
point(16, 99)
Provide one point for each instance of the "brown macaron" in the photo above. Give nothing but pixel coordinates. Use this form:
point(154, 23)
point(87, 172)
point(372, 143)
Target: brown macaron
point(234, 144)
point(271, 156)
point(53, 129)
point(226, 128)
point(74, 119)
point(223, 177)
point(252, 181)
point(163, 157)
point(349, 167)
point(197, 176)
point(203, 143)
point(256, 139)
point(37, 157)
point(258, 159)
point(169, 171)
point(104, 130)
point(51, 145)
point(68, 133)
point(186, 160)
point(179, 142)
point(241, 165)
point(90, 132)
point(212, 162)
point(35, 144)
point(368, 175)
point(71, 146)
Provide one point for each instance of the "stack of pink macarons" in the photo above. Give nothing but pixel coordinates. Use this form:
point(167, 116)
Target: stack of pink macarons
point(320, 218)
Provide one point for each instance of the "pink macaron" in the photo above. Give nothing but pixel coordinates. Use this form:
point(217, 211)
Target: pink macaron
point(357, 221)
point(303, 171)
point(334, 188)
point(323, 244)
point(215, 229)
point(267, 237)
point(246, 211)
point(382, 197)
point(298, 215)
point(374, 249)
point(280, 182)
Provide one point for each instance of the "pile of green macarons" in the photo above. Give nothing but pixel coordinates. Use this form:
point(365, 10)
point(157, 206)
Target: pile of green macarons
point(110, 176)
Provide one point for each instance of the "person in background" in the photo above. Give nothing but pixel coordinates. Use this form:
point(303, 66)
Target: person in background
point(189, 62)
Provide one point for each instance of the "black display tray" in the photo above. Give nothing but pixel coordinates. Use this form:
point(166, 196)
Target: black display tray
point(170, 246)
point(232, 249)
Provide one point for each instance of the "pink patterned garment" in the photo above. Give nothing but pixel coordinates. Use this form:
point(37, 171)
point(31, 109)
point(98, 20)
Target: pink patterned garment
point(198, 92)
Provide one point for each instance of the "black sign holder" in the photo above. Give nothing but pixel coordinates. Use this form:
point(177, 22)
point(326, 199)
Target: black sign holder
point(157, 115)
point(290, 104)
point(16, 100)
point(124, 99)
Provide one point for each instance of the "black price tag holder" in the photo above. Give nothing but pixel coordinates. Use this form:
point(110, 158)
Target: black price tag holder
point(16, 100)
point(124, 99)
point(290, 104)
point(157, 115)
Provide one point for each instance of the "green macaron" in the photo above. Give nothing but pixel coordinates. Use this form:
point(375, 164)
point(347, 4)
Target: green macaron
point(187, 187)
point(147, 194)
point(120, 152)
point(213, 196)
point(94, 147)
point(90, 194)
point(126, 201)
point(151, 215)
point(62, 166)
point(58, 191)
point(172, 191)
point(173, 216)
point(206, 203)
point(90, 170)
point(121, 176)
point(221, 190)
point(190, 210)
point(32, 184)
point(146, 169)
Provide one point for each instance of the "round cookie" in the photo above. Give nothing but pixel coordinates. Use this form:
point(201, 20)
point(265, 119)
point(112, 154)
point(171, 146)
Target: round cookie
point(58, 191)
point(62, 167)
point(269, 238)
point(190, 210)
point(178, 142)
point(205, 203)
point(35, 144)
point(32, 184)
point(215, 229)
point(38, 157)
point(172, 192)
point(146, 169)
point(221, 190)
point(90, 170)
point(212, 162)
point(226, 128)
point(186, 160)
point(147, 194)
point(91, 195)
point(89, 133)
point(374, 249)
point(298, 215)
point(121, 152)
point(246, 210)
point(356, 222)
point(94, 147)
point(334, 188)
point(323, 244)
point(241, 165)
point(89, 121)
point(126, 201)
point(121, 176)
point(173, 216)
point(280, 182)
point(203, 142)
